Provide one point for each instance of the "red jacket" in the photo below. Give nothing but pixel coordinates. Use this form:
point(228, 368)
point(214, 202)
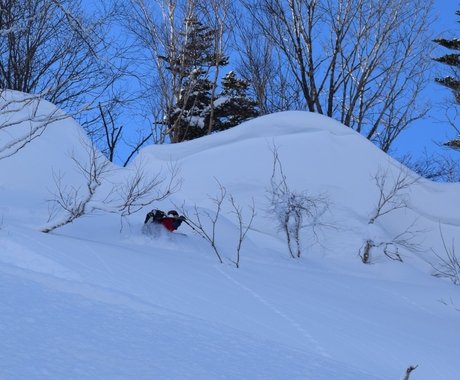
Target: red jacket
point(168, 224)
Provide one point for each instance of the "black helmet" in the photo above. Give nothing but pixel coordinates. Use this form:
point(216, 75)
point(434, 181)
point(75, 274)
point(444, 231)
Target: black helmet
point(173, 212)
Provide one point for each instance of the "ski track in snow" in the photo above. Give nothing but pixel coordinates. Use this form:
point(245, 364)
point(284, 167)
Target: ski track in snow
point(51, 249)
point(99, 258)
point(144, 292)
point(293, 323)
point(142, 301)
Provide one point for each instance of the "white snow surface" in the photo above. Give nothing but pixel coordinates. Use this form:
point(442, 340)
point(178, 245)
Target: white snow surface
point(96, 299)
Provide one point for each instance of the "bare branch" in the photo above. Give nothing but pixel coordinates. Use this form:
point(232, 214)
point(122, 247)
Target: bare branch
point(74, 201)
point(294, 210)
point(142, 188)
point(23, 119)
point(243, 230)
point(97, 193)
point(449, 266)
point(197, 223)
point(362, 63)
point(408, 372)
point(393, 196)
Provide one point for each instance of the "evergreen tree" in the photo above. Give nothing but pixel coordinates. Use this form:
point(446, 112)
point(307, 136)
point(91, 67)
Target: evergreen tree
point(233, 104)
point(453, 83)
point(189, 116)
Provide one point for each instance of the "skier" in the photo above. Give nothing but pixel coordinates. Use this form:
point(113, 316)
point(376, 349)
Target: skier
point(171, 221)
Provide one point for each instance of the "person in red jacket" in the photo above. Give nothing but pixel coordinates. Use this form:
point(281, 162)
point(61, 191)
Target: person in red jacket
point(171, 221)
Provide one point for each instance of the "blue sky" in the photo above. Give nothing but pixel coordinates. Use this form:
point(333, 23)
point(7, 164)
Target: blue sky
point(432, 130)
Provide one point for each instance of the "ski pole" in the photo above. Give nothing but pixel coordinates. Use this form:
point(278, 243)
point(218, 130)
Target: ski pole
point(193, 228)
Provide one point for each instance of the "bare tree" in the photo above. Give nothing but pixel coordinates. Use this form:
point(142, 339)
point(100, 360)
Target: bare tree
point(113, 139)
point(96, 192)
point(159, 30)
point(361, 62)
point(217, 16)
point(263, 65)
point(113, 133)
point(53, 50)
point(294, 210)
point(183, 47)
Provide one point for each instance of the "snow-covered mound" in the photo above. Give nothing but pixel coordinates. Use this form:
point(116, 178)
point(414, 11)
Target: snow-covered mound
point(97, 299)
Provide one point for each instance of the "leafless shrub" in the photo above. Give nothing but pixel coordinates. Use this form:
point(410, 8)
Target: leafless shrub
point(449, 266)
point(396, 195)
point(139, 190)
point(390, 250)
point(243, 230)
point(196, 221)
point(435, 167)
point(408, 372)
point(294, 210)
point(142, 188)
point(451, 304)
point(393, 195)
point(74, 201)
point(406, 239)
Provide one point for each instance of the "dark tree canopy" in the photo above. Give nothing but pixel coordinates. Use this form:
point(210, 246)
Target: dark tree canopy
point(190, 116)
point(452, 82)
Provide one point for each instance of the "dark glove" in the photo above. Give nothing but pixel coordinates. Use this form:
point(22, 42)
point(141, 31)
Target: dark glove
point(177, 222)
point(181, 218)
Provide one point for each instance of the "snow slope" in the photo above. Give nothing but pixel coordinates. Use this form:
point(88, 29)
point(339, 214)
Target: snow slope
point(96, 299)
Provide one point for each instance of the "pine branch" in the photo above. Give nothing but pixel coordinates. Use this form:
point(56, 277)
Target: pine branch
point(449, 59)
point(453, 44)
point(450, 82)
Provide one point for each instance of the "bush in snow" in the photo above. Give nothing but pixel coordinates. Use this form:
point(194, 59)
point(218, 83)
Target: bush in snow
point(408, 372)
point(199, 226)
point(294, 211)
point(449, 266)
point(243, 230)
point(393, 195)
point(96, 192)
